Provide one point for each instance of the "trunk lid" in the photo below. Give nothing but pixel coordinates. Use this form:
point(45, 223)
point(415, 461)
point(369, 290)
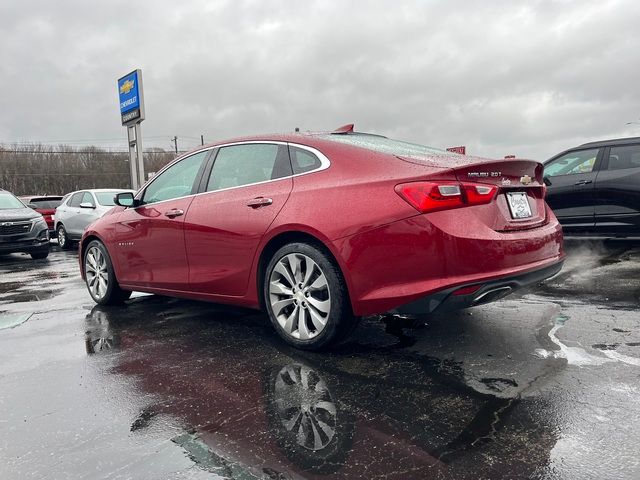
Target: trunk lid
point(519, 203)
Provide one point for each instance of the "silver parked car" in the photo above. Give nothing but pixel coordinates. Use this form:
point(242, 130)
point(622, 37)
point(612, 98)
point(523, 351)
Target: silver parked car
point(79, 209)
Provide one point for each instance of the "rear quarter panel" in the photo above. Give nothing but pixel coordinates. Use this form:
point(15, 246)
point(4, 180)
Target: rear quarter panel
point(354, 195)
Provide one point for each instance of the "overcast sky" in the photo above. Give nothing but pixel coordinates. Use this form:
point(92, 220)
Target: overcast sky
point(501, 77)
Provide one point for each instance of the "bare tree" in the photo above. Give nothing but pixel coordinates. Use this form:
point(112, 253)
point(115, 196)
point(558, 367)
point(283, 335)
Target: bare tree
point(36, 169)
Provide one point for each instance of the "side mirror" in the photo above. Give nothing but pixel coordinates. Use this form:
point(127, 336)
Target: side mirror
point(546, 181)
point(125, 199)
point(87, 205)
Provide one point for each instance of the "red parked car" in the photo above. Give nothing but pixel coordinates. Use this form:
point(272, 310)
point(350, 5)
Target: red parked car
point(319, 229)
point(45, 205)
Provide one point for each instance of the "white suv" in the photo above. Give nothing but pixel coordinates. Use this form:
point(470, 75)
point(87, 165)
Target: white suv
point(79, 209)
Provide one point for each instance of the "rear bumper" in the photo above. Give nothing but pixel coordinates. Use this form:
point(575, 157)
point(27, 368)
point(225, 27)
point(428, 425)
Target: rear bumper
point(430, 256)
point(450, 299)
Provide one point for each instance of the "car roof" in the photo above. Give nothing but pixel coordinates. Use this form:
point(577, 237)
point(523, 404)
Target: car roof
point(41, 197)
point(98, 190)
point(435, 157)
point(614, 141)
point(107, 189)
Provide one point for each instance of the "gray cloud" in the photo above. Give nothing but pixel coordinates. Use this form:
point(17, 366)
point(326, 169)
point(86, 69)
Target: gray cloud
point(529, 78)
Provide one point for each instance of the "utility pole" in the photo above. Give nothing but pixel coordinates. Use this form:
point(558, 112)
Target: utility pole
point(175, 142)
point(201, 139)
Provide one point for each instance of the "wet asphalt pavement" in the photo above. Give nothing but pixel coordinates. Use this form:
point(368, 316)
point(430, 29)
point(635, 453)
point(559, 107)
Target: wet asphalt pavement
point(543, 384)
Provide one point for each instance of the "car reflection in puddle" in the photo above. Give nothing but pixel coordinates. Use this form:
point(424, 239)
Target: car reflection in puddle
point(251, 407)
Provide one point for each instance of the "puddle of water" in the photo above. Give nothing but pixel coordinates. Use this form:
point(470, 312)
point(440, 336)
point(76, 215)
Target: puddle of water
point(619, 357)
point(10, 286)
point(23, 297)
point(205, 459)
point(578, 355)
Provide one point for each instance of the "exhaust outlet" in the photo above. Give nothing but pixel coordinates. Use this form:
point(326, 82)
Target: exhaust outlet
point(491, 295)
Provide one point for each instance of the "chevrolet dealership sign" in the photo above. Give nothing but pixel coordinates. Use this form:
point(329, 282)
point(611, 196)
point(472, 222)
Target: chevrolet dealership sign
point(131, 114)
point(131, 98)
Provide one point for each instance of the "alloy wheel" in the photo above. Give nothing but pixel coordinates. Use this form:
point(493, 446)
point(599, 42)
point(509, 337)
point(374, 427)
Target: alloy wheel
point(305, 407)
point(299, 296)
point(96, 272)
point(62, 237)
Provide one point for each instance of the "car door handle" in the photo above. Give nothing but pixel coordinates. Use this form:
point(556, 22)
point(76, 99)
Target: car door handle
point(174, 213)
point(583, 182)
point(259, 202)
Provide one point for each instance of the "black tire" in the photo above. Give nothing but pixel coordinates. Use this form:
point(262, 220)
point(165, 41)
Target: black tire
point(339, 318)
point(102, 285)
point(63, 238)
point(40, 254)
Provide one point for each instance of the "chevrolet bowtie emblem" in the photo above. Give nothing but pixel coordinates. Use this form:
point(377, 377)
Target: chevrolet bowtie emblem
point(526, 180)
point(126, 87)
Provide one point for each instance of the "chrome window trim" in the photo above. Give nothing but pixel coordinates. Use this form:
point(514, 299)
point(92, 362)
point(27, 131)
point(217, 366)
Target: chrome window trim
point(324, 164)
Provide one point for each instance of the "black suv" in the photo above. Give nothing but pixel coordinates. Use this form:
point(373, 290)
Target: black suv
point(594, 189)
point(21, 229)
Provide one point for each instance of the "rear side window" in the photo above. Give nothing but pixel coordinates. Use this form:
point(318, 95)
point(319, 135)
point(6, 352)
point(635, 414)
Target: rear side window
point(303, 161)
point(572, 163)
point(238, 165)
point(176, 181)
point(76, 199)
point(627, 156)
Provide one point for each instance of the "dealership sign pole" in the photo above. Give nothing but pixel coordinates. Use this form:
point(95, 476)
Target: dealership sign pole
point(132, 113)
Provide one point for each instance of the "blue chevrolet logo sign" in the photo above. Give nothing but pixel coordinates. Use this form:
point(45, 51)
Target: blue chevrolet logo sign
point(128, 91)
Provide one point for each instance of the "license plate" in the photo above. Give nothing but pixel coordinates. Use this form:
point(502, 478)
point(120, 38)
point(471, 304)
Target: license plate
point(518, 204)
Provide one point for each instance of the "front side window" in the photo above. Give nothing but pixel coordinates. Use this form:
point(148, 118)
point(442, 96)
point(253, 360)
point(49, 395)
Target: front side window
point(88, 198)
point(624, 157)
point(76, 199)
point(106, 198)
point(176, 181)
point(573, 163)
point(238, 165)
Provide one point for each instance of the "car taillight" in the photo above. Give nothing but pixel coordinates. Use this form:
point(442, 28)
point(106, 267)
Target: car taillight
point(432, 197)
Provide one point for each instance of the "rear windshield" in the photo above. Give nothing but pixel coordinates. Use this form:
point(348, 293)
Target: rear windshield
point(106, 198)
point(8, 201)
point(44, 203)
point(383, 145)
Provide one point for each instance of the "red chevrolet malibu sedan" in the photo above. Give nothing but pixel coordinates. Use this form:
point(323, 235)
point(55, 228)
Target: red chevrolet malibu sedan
point(320, 229)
